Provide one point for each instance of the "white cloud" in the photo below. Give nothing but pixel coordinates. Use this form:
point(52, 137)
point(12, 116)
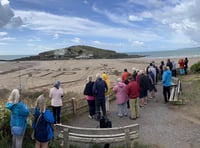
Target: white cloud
point(76, 40)
point(135, 18)
point(7, 39)
point(7, 16)
point(3, 33)
point(116, 18)
point(16, 21)
point(34, 39)
point(4, 2)
point(97, 42)
point(137, 43)
point(56, 36)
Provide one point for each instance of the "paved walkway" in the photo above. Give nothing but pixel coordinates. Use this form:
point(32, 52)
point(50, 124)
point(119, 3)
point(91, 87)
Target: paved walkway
point(159, 124)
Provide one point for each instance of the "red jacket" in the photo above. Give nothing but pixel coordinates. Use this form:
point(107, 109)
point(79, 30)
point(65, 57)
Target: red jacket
point(124, 76)
point(132, 89)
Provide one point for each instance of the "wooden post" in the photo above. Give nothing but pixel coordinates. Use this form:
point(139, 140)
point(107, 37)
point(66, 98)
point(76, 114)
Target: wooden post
point(66, 138)
point(74, 104)
point(127, 139)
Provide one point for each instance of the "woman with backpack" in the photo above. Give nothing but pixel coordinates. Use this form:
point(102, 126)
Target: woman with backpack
point(18, 117)
point(43, 119)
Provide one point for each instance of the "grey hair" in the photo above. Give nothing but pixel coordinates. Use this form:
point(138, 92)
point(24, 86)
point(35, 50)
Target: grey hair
point(14, 96)
point(89, 78)
point(40, 103)
point(98, 75)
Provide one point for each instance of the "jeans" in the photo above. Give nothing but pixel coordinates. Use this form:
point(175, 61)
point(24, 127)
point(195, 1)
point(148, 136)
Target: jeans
point(92, 108)
point(56, 113)
point(122, 109)
point(166, 93)
point(17, 141)
point(100, 104)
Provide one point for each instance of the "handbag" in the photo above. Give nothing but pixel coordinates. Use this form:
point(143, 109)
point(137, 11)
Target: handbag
point(33, 133)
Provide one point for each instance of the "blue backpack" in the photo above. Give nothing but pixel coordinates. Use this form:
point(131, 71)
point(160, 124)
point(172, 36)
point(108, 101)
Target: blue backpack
point(41, 129)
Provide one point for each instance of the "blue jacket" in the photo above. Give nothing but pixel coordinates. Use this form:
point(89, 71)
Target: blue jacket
point(48, 117)
point(99, 89)
point(167, 78)
point(19, 114)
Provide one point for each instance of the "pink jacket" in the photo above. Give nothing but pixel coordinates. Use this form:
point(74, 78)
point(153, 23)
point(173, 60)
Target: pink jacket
point(120, 93)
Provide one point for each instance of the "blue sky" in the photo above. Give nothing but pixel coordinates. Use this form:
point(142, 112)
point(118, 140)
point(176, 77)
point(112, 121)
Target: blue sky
point(29, 27)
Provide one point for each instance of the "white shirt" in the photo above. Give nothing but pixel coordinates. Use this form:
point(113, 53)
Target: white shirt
point(56, 96)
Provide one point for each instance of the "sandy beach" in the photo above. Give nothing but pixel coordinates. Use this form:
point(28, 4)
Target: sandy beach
point(39, 75)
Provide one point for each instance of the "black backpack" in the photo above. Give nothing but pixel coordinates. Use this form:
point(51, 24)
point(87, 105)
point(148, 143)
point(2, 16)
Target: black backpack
point(41, 129)
point(105, 122)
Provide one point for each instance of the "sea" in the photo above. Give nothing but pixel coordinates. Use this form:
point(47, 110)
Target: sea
point(12, 57)
point(189, 52)
point(182, 53)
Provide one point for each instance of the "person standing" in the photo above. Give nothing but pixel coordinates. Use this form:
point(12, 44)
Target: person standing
point(132, 90)
point(186, 65)
point(107, 94)
point(121, 97)
point(56, 94)
point(181, 66)
point(99, 89)
point(173, 69)
point(18, 117)
point(124, 75)
point(143, 87)
point(162, 64)
point(90, 97)
point(43, 132)
point(169, 64)
point(151, 85)
point(166, 82)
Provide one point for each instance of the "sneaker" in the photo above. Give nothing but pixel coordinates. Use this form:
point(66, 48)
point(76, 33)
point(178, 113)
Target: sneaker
point(120, 116)
point(90, 117)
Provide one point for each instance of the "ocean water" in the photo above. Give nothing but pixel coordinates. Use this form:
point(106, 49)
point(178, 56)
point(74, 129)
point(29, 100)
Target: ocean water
point(12, 57)
point(190, 52)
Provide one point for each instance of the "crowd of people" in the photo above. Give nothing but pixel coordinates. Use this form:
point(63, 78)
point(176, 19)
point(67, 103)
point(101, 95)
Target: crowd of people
point(132, 91)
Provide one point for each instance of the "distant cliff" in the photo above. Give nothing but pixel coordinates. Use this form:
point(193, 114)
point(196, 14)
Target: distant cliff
point(78, 52)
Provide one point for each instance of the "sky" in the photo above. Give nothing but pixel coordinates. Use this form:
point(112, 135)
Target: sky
point(29, 27)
